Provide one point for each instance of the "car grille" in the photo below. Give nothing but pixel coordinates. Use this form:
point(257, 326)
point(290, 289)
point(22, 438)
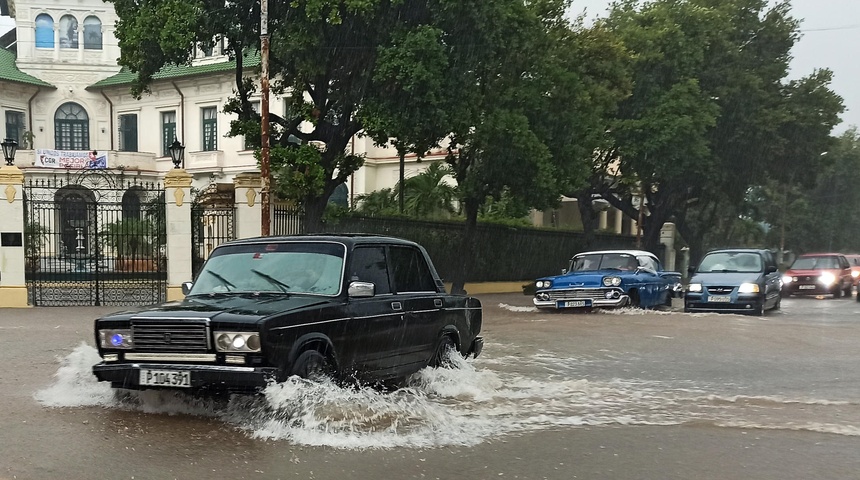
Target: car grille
point(166, 337)
point(720, 290)
point(579, 294)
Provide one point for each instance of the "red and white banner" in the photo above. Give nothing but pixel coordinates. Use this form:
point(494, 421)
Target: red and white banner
point(71, 159)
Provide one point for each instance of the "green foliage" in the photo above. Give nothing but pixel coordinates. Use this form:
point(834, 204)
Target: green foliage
point(131, 237)
point(34, 239)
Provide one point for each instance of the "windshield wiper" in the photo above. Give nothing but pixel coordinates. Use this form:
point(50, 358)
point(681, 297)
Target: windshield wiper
point(224, 281)
point(274, 281)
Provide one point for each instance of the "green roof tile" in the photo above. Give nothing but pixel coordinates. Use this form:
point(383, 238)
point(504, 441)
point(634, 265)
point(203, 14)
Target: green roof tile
point(126, 77)
point(9, 71)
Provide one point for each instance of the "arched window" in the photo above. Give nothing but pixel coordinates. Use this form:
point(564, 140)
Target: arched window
point(131, 205)
point(71, 127)
point(92, 33)
point(44, 31)
point(68, 32)
point(76, 217)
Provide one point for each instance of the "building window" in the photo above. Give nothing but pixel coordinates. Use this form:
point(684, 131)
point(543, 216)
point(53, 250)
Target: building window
point(68, 32)
point(250, 143)
point(71, 128)
point(131, 205)
point(128, 132)
point(44, 31)
point(15, 127)
point(168, 131)
point(210, 128)
point(92, 33)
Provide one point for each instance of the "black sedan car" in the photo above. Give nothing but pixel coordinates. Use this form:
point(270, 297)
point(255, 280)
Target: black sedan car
point(734, 280)
point(352, 307)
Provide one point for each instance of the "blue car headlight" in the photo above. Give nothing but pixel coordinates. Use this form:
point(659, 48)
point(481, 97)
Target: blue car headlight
point(749, 288)
point(116, 338)
point(543, 283)
point(611, 281)
point(694, 287)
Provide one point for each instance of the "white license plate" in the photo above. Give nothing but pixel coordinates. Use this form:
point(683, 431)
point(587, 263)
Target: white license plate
point(165, 378)
point(719, 299)
point(574, 303)
point(806, 287)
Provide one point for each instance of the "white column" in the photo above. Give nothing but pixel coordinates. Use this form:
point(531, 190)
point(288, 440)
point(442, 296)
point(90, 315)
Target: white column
point(603, 220)
point(619, 218)
point(13, 287)
point(249, 211)
point(177, 198)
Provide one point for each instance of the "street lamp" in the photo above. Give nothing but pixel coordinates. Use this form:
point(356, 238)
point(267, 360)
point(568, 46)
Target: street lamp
point(177, 153)
point(9, 148)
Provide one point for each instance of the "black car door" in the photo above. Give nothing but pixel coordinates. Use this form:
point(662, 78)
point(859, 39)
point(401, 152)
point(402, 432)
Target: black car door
point(415, 287)
point(378, 322)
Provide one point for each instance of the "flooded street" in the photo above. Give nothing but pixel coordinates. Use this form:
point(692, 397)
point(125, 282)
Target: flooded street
point(625, 394)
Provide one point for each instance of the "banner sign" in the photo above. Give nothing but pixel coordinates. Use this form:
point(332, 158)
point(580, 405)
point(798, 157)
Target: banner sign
point(72, 159)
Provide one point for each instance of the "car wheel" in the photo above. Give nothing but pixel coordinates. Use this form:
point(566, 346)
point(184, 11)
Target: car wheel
point(778, 304)
point(312, 365)
point(441, 358)
point(847, 291)
point(758, 310)
point(837, 293)
point(634, 299)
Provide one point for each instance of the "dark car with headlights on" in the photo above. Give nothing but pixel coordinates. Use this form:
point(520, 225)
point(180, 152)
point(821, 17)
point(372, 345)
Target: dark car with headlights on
point(608, 279)
point(352, 307)
point(734, 280)
point(819, 274)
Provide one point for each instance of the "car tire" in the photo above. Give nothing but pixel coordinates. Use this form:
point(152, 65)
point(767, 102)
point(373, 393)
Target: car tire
point(312, 365)
point(634, 299)
point(441, 357)
point(758, 310)
point(837, 293)
point(847, 291)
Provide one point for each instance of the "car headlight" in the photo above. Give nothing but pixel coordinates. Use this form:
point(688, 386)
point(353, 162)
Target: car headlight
point(694, 287)
point(786, 279)
point(748, 288)
point(855, 273)
point(116, 338)
point(244, 342)
point(543, 284)
point(611, 281)
point(827, 278)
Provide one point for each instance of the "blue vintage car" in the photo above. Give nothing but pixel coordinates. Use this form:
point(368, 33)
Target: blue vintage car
point(608, 279)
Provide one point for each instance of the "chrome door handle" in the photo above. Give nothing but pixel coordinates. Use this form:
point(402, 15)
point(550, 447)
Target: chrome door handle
point(396, 306)
point(437, 302)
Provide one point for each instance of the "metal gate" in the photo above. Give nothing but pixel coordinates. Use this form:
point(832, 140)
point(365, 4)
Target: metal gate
point(212, 214)
point(95, 237)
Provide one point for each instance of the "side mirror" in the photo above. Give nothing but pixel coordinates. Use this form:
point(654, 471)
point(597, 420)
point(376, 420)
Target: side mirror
point(563, 271)
point(770, 269)
point(361, 289)
point(186, 287)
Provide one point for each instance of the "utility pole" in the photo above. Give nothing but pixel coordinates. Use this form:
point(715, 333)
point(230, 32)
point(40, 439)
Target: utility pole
point(641, 216)
point(265, 172)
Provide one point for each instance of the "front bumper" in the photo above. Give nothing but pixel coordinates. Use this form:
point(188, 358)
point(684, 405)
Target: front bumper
point(800, 288)
point(581, 298)
point(740, 303)
point(215, 377)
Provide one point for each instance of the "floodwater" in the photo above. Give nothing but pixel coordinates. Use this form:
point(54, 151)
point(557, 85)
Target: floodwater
point(621, 394)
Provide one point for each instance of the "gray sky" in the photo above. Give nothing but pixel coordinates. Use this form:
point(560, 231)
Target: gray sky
point(831, 35)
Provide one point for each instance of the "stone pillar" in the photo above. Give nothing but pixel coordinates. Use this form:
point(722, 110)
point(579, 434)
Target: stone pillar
point(603, 220)
point(177, 198)
point(667, 238)
point(249, 211)
point(619, 218)
point(13, 287)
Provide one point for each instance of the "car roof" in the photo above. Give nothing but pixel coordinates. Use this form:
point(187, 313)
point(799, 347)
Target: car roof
point(824, 254)
point(629, 252)
point(348, 239)
point(740, 250)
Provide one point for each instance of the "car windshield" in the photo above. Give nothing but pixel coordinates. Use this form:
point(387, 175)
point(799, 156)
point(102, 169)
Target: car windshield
point(603, 261)
point(315, 268)
point(743, 262)
point(815, 263)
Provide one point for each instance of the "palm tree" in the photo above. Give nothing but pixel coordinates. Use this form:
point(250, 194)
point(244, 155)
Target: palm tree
point(428, 194)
